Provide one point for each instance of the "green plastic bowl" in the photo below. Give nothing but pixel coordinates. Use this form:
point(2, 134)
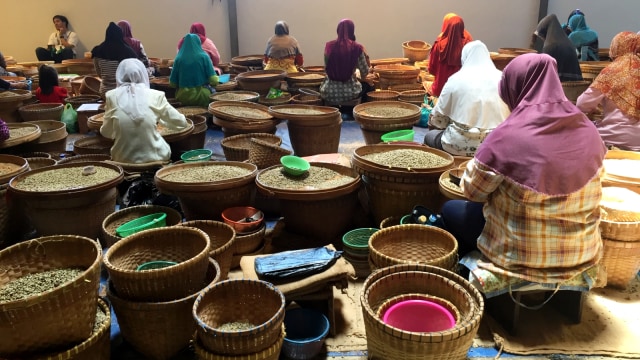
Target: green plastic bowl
point(196, 155)
point(146, 222)
point(294, 165)
point(151, 265)
point(406, 220)
point(358, 238)
point(398, 135)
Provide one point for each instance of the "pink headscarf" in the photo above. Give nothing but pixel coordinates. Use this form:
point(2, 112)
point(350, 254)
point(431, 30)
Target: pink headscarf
point(207, 45)
point(341, 55)
point(547, 144)
point(128, 37)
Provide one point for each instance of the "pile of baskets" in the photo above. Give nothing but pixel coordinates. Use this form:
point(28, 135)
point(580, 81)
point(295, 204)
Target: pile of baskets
point(58, 321)
point(389, 285)
point(236, 147)
point(416, 50)
point(158, 300)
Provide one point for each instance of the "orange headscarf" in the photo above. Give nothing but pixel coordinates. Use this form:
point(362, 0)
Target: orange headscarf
point(450, 42)
point(467, 36)
point(620, 81)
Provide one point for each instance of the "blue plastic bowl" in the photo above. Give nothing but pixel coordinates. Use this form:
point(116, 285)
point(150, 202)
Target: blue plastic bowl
point(306, 330)
point(224, 78)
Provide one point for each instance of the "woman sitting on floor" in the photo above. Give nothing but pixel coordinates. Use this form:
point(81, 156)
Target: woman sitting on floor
point(193, 74)
point(584, 39)
point(108, 55)
point(282, 52)
point(558, 45)
point(49, 91)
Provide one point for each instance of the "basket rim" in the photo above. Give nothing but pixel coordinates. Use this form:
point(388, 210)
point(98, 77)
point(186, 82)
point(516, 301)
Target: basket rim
point(219, 224)
point(229, 141)
point(274, 349)
point(363, 165)
point(203, 186)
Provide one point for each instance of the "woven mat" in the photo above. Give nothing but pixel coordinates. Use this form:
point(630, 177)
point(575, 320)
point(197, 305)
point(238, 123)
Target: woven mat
point(610, 327)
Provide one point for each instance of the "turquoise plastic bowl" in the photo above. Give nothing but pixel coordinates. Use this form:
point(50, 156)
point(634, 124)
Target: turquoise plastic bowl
point(197, 155)
point(151, 265)
point(294, 165)
point(146, 222)
point(398, 135)
point(224, 78)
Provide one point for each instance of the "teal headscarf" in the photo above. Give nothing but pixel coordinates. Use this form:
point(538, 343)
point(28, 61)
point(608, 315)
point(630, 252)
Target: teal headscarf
point(581, 34)
point(192, 66)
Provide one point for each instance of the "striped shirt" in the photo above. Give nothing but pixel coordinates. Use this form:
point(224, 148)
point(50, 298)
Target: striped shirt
point(106, 69)
point(533, 236)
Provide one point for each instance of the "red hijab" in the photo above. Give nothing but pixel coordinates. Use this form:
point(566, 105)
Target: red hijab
point(547, 144)
point(341, 55)
point(451, 40)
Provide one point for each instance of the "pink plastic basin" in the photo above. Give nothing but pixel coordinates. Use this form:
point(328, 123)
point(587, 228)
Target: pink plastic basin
point(419, 316)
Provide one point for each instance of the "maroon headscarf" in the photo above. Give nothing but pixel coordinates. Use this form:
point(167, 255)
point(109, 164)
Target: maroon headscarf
point(198, 29)
point(547, 144)
point(128, 37)
point(341, 55)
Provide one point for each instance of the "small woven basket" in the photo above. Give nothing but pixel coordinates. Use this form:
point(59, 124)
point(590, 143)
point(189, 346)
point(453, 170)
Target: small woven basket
point(108, 235)
point(188, 247)
point(416, 50)
point(223, 239)
point(390, 221)
point(413, 243)
point(264, 154)
point(383, 95)
point(39, 162)
point(249, 243)
point(622, 261)
point(413, 96)
point(93, 145)
point(41, 111)
point(57, 318)
point(171, 322)
point(236, 147)
point(573, 89)
point(305, 99)
point(270, 353)
point(313, 140)
point(90, 86)
point(249, 301)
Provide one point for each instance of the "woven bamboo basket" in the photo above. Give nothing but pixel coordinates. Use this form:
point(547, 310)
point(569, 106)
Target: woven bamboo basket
point(264, 154)
point(231, 129)
point(415, 97)
point(13, 221)
point(591, 69)
point(304, 99)
point(37, 163)
point(373, 127)
point(228, 86)
point(108, 235)
point(239, 95)
point(282, 100)
point(53, 137)
point(313, 140)
point(80, 66)
point(10, 101)
point(84, 158)
point(226, 110)
point(236, 148)
point(90, 86)
point(77, 210)
point(59, 317)
point(93, 145)
point(630, 183)
point(207, 200)
point(389, 343)
point(223, 240)
point(416, 50)
point(383, 95)
point(250, 301)
point(449, 189)
point(406, 87)
point(515, 51)
point(502, 60)
point(41, 111)
point(250, 242)
point(76, 82)
point(413, 243)
point(260, 81)
point(622, 231)
point(270, 353)
point(235, 261)
point(96, 347)
point(573, 89)
point(390, 221)
point(622, 261)
point(35, 154)
point(160, 330)
point(302, 208)
point(188, 247)
point(76, 101)
point(195, 140)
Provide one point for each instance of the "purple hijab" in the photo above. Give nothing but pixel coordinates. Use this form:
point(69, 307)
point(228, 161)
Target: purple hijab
point(341, 55)
point(128, 37)
point(547, 144)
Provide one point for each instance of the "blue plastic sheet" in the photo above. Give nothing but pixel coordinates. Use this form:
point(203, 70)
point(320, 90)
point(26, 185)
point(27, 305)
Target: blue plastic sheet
point(295, 263)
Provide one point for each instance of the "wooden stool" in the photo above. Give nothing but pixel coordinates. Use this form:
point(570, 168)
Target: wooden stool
point(506, 311)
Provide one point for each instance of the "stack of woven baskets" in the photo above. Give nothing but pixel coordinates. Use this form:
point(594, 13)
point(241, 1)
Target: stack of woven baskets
point(389, 285)
point(236, 147)
point(154, 299)
point(240, 319)
point(54, 321)
point(620, 229)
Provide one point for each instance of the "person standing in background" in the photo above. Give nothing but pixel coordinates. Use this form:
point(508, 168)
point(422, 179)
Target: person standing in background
point(283, 51)
point(62, 42)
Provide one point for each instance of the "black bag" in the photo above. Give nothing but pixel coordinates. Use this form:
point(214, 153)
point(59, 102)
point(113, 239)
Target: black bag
point(295, 263)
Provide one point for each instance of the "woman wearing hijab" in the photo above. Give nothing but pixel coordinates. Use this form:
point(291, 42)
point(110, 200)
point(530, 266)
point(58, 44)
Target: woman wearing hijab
point(617, 90)
point(583, 38)
point(558, 45)
point(132, 113)
point(108, 55)
point(541, 191)
point(283, 52)
point(134, 43)
point(193, 73)
point(207, 45)
point(565, 26)
point(444, 58)
point(469, 106)
point(342, 57)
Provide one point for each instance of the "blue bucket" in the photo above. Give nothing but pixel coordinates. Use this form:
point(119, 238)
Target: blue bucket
point(306, 330)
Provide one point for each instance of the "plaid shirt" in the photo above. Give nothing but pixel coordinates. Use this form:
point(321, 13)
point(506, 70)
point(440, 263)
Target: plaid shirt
point(533, 236)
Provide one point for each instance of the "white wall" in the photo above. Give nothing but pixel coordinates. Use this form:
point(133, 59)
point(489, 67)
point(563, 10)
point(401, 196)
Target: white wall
point(381, 25)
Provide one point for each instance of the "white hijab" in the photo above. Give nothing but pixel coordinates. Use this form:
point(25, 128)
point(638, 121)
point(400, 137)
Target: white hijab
point(470, 97)
point(132, 80)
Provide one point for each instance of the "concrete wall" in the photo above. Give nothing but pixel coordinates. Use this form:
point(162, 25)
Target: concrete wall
point(381, 25)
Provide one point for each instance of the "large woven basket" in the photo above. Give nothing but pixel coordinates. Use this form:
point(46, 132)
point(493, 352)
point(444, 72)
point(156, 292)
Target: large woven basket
point(270, 353)
point(93, 145)
point(207, 200)
point(188, 247)
point(159, 330)
point(236, 147)
point(622, 261)
point(416, 50)
point(383, 95)
point(305, 99)
point(373, 127)
point(260, 81)
point(413, 243)
point(59, 317)
point(223, 239)
point(249, 301)
point(41, 111)
point(53, 137)
point(238, 95)
point(618, 230)
point(389, 343)
point(90, 85)
point(591, 69)
point(108, 235)
point(313, 140)
point(264, 154)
